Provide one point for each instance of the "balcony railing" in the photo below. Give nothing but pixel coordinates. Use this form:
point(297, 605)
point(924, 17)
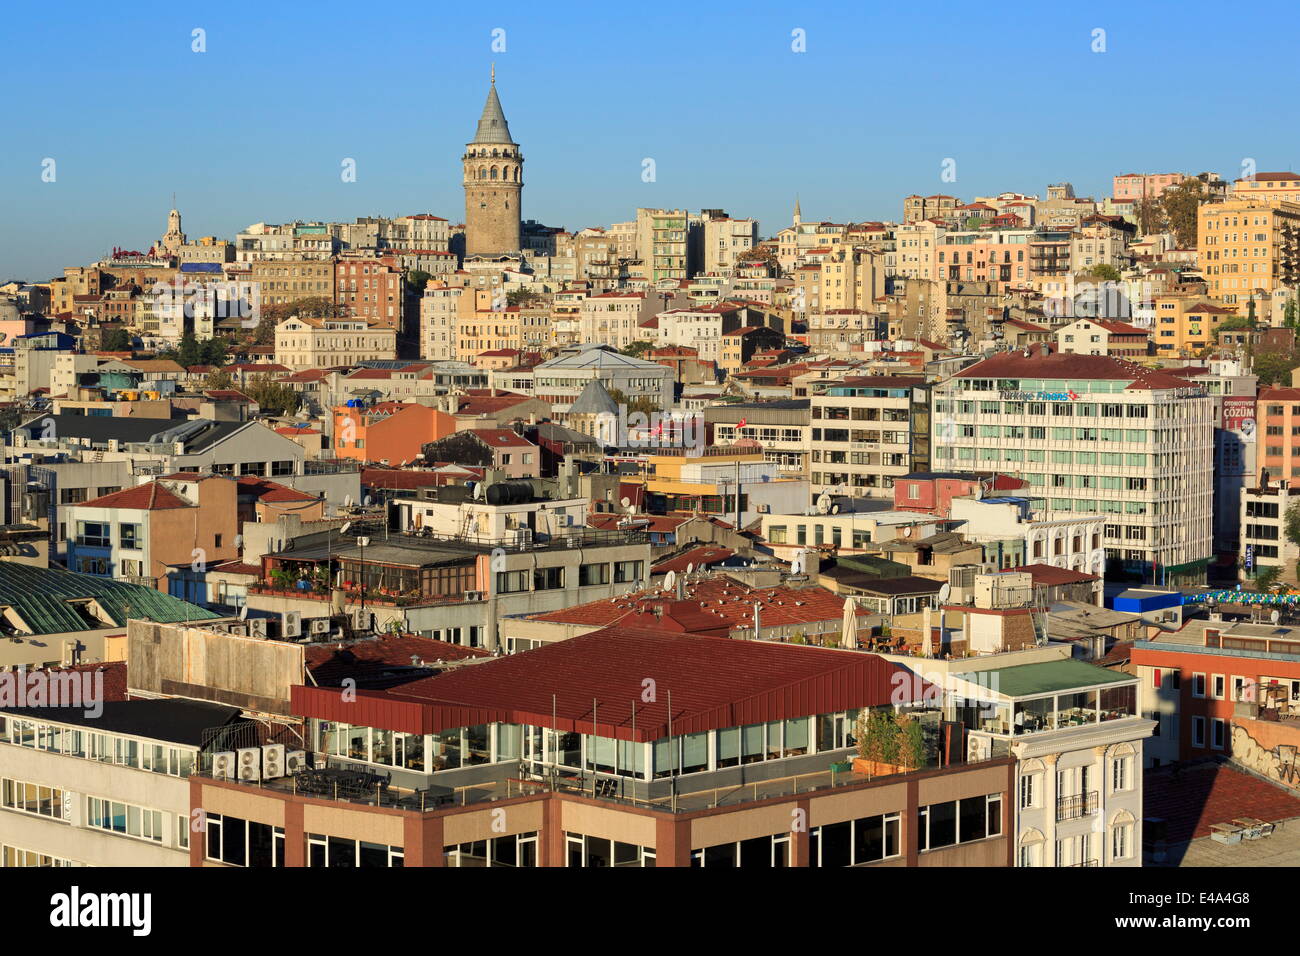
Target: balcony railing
point(1078, 806)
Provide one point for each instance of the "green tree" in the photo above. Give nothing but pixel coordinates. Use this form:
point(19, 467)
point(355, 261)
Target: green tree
point(1234, 322)
point(1266, 577)
point(274, 398)
point(913, 753)
point(417, 278)
point(1180, 204)
point(1150, 216)
point(523, 298)
point(118, 340)
point(218, 379)
point(1103, 273)
point(1291, 524)
point(642, 404)
point(1274, 368)
point(638, 348)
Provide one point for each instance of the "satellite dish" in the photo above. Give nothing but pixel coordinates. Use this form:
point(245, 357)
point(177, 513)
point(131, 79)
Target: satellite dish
point(944, 592)
point(243, 613)
point(346, 526)
point(347, 501)
point(907, 531)
point(369, 500)
point(690, 567)
point(824, 503)
point(670, 580)
point(625, 502)
point(835, 509)
point(1275, 616)
point(480, 489)
point(796, 565)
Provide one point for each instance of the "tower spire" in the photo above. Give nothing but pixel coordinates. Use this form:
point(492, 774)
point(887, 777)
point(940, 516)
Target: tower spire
point(494, 73)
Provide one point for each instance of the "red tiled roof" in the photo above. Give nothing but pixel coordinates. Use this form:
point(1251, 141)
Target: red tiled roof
point(265, 490)
point(147, 497)
point(715, 683)
point(329, 663)
point(701, 557)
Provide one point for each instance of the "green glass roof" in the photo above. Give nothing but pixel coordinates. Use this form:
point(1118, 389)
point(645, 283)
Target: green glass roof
point(43, 598)
point(1028, 680)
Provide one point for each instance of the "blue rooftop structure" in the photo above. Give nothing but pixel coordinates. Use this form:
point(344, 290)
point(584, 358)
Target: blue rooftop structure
point(208, 268)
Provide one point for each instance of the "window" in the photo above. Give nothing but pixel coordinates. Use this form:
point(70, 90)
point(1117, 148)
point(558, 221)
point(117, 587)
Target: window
point(958, 821)
point(1029, 791)
point(125, 818)
point(1198, 731)
point(31, 798)
point(237, 842)
point(129, 535)
point(1120, 774)
point(1218, 685)
point(1217, 733)
point(1198, 685)
point(627, 571)
point(589, 574)
point(1121, 841)
point(341, 852)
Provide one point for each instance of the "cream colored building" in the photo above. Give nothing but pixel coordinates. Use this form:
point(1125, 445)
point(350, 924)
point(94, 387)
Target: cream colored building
point(302, 342)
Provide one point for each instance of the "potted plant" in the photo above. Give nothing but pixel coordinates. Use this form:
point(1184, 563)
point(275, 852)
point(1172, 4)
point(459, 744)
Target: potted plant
point(912, 747)
point(879, 743)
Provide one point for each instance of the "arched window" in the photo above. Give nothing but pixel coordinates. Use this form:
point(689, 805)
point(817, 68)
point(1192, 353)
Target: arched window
point(482, 173)
point(494, 173)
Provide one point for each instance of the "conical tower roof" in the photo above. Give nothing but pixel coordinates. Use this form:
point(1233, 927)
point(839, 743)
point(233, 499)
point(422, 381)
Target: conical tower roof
point(594, 400)
point(492, 125)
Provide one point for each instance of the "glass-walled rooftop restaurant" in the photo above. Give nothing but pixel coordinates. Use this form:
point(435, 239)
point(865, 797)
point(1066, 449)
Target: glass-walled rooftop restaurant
point(544, 750)
point(986, 710)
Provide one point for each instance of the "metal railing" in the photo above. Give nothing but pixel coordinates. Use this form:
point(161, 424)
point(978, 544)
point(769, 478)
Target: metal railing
point(1078, 806)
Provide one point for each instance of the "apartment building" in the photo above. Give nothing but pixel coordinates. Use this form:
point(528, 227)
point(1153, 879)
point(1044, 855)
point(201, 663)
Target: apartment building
point(562, 379)
point(283, 281)
point(1186, 323)
point(1262, 520)
point(440, 308)
point(918, 208)
point(1094, 434)
point(601, 793)
point(1103, 337)
point(371, 290)
point(302, 342)
point(140, 534)
point(779, 427)
point(725, 241)
point(1247, 246)
point(1212, 681)
point(663, 245)
point(1267, 187)
point(391, 432)
point(1135, 187)
point(106, 789)
point(861, 434)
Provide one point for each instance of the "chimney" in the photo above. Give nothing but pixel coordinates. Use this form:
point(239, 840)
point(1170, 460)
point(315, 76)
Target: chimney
point(926, 631)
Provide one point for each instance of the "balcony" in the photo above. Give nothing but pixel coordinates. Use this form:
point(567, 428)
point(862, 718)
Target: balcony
point(1077, 807)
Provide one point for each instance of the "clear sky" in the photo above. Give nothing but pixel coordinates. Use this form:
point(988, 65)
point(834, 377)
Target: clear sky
point(256, 128)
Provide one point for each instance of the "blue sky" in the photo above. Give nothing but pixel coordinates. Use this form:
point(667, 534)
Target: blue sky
point(256, 127)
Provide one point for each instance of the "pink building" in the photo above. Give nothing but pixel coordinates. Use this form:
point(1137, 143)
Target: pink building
point(1132, 187)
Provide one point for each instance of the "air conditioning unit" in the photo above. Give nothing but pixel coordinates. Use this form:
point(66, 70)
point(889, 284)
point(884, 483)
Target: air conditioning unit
point(257, 627)
point(291, 623)
point(474, 596)
point(361, 620)
point(295, 760)
point(319, 625)
point(223, 765)
point(249, 764)
point(69, 803)
point(239, 630)
point(765, 509)
point(272, 761)
point(977, 749)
